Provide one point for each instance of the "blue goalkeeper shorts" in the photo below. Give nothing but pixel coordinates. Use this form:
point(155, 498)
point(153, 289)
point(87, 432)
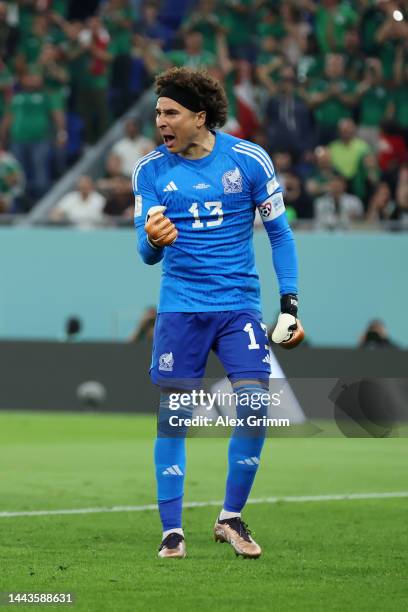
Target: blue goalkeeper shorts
point(182, 342)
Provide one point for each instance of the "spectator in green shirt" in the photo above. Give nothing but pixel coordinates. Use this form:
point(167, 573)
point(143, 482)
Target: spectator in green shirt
point(353, 55)
point(318, 183)
point(331, 98)
point(238, 19)
point(270, 23)
point(269, 63)
point(43, 30)
point(311, 62)
point(205, 20)
point(75, 56)
point(28, 123)
point(30, 45)
point(93, 92)
point(400, 93)
point(347, 151)
point(193, 55)
point(375, 102)
point(118, 17)
point(332, 20)
point(56, 83)
point(367, 178)
point(54, 73)
point(371, 19)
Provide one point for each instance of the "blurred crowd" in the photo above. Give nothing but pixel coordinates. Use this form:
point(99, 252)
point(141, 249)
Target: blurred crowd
point(322, 86)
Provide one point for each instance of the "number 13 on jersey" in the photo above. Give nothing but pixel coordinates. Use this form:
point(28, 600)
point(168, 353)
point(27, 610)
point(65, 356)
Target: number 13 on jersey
point(216, 210)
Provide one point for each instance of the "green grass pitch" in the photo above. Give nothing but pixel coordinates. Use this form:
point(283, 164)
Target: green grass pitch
point(328, 555)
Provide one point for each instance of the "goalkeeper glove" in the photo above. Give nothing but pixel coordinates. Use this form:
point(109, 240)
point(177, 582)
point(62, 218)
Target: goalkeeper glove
point(160, 230)
point(288, 332)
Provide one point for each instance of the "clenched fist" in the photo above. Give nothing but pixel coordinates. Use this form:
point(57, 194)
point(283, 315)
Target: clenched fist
point(288, 332)
point(160, 230)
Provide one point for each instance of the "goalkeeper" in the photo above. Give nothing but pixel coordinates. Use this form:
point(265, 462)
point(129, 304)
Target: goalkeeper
point(195, 201)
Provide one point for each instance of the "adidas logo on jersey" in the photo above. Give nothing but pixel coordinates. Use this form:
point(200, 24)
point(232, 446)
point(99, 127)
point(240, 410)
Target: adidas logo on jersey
point(171, 187)
point(250, 461)
point(173, 470)
point(267, 359)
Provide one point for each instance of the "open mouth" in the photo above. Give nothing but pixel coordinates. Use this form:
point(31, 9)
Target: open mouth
point(169, 139)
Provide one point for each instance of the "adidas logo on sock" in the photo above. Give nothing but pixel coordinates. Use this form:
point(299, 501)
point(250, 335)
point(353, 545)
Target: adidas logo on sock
point(250, 461)
point(171, 187)
point(174, 470)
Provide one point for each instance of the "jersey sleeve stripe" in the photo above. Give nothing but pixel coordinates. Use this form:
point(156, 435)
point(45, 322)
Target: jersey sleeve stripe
point(151, 154)
point(261, 152)
point(258, 159)
point(142, 163)
point(140, 160)
point(251, 147)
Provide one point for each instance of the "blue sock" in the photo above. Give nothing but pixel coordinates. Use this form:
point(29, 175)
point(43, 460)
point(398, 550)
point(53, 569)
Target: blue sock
point(244, 450)
point(170, 463)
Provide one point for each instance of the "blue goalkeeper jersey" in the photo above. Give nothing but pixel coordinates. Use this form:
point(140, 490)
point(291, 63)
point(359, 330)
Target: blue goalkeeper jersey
point(212, 202)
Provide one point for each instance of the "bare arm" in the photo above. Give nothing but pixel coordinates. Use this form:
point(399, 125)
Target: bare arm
point(262, 72)
point(318, 97)
point(384, 32)
point(58, 117)
point(402, 189)
point(224, 59)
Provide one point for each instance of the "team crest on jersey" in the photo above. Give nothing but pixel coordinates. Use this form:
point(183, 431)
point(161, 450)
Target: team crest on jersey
point(232, 181)
point(166, 362)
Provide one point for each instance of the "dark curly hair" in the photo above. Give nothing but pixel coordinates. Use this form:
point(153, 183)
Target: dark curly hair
point(208, 90)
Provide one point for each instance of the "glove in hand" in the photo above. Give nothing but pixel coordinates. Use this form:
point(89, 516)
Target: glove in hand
point(160, 230)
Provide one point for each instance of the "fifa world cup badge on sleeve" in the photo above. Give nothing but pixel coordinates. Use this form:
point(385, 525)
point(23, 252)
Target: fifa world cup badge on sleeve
point(138, 205)
point(272, 186)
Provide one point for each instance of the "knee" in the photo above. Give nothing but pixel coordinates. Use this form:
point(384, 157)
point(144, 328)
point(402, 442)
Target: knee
point(240, 382)
point(171, 415)
point(253, 399)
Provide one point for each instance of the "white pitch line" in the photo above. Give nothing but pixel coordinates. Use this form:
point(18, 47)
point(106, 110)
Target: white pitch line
point(261, 500)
